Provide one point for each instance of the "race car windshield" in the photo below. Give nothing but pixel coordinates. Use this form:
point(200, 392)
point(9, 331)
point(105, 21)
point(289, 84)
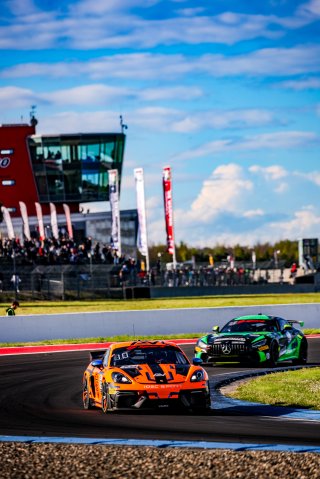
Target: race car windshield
point(150, 355)
point(249, 325)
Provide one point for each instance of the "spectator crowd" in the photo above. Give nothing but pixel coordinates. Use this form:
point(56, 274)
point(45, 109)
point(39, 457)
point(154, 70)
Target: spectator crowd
point(63, 251)
point(129, 271)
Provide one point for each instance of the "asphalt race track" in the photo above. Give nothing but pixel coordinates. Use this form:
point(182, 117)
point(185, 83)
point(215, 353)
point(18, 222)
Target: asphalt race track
point(40, 395)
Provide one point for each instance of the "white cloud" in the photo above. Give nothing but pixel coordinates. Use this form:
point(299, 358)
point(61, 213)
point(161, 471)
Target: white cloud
point(86, 95)
point(313, 176)
point(179, 92)
point(190, 12)
point(274, 172)
point(223, 191)
point(310, 9)
point(268, 62)
point(98, 7)
point(70, 122)
point(22, 7)
point(301, 84)
point(218, 119)
point(253, 213)
point(96, 95)
point(15, 97)
point(144, 65)
point(276, 140)
point(281, 188)
point(87, 25)
point(303, 224)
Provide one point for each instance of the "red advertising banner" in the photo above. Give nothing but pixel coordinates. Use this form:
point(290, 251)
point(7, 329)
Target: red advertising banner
point(168, 209)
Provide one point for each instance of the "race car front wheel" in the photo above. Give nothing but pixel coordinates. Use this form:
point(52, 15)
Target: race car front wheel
point(274, 355)
point(105, 402)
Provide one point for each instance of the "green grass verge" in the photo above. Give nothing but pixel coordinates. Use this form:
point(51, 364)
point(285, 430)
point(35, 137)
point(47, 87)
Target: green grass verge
point(52, 307)
point(296, 389)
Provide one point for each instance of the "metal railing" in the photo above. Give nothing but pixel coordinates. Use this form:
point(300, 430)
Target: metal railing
point(110, 281)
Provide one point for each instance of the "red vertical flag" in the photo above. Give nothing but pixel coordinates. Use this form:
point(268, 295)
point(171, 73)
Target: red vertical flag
point(168, 209)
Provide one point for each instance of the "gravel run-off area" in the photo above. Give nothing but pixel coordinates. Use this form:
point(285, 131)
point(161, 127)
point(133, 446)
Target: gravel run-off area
point(33, 461)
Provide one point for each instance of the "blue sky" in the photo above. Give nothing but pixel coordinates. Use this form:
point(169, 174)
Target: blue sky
point(226, 92)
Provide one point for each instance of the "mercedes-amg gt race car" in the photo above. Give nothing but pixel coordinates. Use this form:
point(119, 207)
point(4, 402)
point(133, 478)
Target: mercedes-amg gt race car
point(144, 374)
point(254, 339)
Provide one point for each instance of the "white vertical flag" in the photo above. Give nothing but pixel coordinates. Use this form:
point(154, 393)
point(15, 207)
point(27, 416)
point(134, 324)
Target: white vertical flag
point(25, 220)
point(54, 221)
point(142, 220)
point(7, 219)
point(40, 221)
point(115, 210)
point(68, 218)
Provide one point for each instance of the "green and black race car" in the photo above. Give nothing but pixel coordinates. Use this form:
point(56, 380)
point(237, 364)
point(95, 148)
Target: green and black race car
point(254, 339)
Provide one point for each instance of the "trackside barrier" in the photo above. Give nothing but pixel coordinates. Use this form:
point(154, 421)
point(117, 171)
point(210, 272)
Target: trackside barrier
point(138, 323)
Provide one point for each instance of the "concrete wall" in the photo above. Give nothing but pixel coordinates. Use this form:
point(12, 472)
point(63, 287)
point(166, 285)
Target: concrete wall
point(138, 323)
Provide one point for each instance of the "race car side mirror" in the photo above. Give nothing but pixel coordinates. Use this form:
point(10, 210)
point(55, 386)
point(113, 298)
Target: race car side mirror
point(287, 327)
point(215, 329)
point(197, 361)
point(97, 363)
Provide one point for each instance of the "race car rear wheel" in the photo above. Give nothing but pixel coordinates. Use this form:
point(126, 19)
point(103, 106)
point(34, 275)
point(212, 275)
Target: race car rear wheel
point(274, 355)
point(105, 401)
point(303, 354)
point(87, 403)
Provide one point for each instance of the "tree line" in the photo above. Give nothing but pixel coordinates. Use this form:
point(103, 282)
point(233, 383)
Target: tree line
point(285, 251)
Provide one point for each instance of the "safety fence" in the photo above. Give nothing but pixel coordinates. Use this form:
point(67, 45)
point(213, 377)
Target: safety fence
point(111, 281)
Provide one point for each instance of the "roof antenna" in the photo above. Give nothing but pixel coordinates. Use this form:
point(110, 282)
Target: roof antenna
point(33, 120)
point(122, 125)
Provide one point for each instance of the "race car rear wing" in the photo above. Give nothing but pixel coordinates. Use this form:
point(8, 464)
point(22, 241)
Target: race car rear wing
point(96, 355)
point(293, 321)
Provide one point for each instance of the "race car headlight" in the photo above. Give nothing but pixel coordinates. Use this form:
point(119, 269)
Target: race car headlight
point(202, 345)
point(262, 342)
point(197, 376)
point(120, 378)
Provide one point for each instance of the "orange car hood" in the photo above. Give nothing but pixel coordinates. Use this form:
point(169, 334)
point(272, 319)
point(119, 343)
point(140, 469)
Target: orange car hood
point(157, 373)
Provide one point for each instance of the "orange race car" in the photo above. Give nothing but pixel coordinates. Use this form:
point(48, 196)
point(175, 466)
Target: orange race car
point(144, 374)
